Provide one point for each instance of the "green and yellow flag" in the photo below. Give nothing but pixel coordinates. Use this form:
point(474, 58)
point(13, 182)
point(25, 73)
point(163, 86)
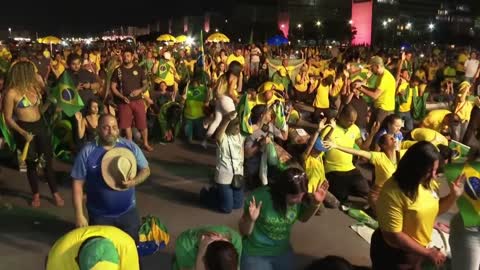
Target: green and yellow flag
point(469, 202)
point(280, 119)
point(163, 68)
point(153, 236)
point(6, 133)
point(66, 95)
point(244, 112)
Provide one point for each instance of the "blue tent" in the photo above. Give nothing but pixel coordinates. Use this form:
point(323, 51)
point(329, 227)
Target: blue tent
point(277, 40)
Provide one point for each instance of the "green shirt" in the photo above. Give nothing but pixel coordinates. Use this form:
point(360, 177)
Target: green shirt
point(196, 98)
point(271, 233)
point(186, 247)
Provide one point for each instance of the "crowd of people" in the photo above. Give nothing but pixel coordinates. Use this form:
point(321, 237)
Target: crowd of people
point(295, 131)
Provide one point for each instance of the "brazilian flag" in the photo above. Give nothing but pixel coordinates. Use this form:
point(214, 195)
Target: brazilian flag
point(6, 133)
point(469, 202)
point(4, 66)
point(460, 150)
point(153, 236)
point(244, 112)
point(163, 69)
point(66, 95)
point(280, 119)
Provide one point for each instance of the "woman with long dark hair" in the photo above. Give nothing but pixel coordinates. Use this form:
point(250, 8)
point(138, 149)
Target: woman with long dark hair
point(269, 215)
point(226, 94)
point(407, 208)
point(23, 115)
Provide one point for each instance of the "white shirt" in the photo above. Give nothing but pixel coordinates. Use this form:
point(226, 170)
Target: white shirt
point(471, 67)
point(226, 156)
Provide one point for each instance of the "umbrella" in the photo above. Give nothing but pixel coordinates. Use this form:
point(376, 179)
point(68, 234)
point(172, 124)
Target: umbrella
point(50, 40)
point(166, 38)
point(181, 39)
point(277, 40)
point(218, 37)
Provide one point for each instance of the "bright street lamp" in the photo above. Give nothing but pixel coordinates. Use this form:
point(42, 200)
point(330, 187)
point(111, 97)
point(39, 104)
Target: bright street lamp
point(350, 22)
point(299, 26)
point(318, 23)
point(408, 26)
point(384, 23)
point(431, 26)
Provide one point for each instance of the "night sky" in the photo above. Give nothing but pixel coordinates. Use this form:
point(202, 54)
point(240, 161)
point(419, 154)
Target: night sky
point(91, 16)
point(82, 16)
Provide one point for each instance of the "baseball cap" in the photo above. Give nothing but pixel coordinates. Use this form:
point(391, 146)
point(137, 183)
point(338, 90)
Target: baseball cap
point(99, 254)
point(376, 60)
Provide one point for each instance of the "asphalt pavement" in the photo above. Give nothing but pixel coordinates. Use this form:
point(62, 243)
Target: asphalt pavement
point(179, 171)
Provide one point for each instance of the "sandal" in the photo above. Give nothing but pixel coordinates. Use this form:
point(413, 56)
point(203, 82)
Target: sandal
point(59, 202)
point(35, 203)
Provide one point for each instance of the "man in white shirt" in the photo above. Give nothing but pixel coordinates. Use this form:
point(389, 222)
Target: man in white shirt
point(255, 53)
point(471, 67)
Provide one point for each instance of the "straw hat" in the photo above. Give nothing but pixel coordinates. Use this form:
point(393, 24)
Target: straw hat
point(118, 164)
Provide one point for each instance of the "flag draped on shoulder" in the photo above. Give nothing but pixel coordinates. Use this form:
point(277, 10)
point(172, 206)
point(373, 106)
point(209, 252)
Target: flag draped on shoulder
point(163, 69)
point(66, 95)
point(244, 112)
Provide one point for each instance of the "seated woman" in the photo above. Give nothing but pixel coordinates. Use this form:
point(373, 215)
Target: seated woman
point(268, 217)
point(208, 248)
point(87, 126)
point(407, 208)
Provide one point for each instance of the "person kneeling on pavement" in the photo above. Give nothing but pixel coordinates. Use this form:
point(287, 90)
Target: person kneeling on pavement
point(94, 247)
point(227, 192)
point(209, 247)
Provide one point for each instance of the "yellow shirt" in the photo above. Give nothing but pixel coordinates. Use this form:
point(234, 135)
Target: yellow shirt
point(313, 71)
point(190, 64)
point(57, 68)
point(329, 72)
point(386, 100)
point(384, 167)
point(432, 73)
point(96, 59)
point(321, 100)
point(65, 250)
point(464, 111)
point(406, 107)
point(337, 87)
point(429, 135)
point(315, 172)
point(301, 86)
point(336, 160)
point(434, 119)
point(462, 58)
point(398, 213)
point(232, 58)
point(420, 73)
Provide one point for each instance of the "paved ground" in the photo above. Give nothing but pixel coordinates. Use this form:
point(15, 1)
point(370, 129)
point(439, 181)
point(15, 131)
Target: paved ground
point(171, 193)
